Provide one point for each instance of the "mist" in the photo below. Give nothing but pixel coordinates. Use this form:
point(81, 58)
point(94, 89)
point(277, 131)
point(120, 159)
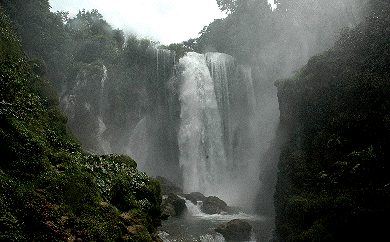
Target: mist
point(273, 114)
point(269, 44)
point(204, 113)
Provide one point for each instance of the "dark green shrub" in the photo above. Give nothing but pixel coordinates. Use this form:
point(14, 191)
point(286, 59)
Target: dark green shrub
point(49, 189)
point(135, 190)
point(74, 189)
point(38, 66)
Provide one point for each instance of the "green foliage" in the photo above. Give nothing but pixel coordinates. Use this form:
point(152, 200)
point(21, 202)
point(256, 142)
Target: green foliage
point(334, 167)
point(227, 5)
point(49, 189)
point(10, 226)
point(62, 48)
point(233, 6)
point(105, 169)
point(179, 49)
point(137, 188)
point(249, 26)
point(93, 38)
point(42, 34)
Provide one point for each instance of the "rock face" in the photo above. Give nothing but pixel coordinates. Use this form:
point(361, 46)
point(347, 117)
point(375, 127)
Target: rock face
point(198, 196)
point(84, 104)
point(333, 178)
point(214, 205)
point(235, 230)
point(195, 197)
point(173, 206)
point(168, 187)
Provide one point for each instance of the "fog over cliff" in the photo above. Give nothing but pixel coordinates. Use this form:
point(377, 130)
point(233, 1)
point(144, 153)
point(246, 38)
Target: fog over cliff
point(262, 45)
point(267, 108)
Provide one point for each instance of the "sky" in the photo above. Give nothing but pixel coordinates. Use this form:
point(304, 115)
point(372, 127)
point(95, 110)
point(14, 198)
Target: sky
point(165, 21)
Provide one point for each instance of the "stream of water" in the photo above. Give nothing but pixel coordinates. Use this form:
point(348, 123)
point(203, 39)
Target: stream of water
point(198, 226)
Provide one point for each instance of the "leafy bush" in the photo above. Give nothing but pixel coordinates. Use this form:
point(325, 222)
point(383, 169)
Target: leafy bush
point(333, 180)
point(49, 189)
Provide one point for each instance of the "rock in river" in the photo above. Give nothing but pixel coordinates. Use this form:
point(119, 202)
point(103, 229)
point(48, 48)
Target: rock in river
point(235, 230)
point(214, 205)
point(173, 206)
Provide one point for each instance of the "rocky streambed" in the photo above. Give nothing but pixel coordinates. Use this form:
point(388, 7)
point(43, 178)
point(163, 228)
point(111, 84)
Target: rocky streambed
point(195, 217)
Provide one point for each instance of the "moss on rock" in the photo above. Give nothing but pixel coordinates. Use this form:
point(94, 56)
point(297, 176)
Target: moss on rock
point(333, 169)
point(50, 190)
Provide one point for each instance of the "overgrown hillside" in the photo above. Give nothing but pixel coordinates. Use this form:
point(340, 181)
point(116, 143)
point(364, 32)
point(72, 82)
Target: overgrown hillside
point(49, 189)
point(76, 51)
point(333, 183)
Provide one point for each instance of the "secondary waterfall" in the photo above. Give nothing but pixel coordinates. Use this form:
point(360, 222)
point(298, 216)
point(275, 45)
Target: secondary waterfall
point(153, 141)
point(216, 135)
point(104, 145)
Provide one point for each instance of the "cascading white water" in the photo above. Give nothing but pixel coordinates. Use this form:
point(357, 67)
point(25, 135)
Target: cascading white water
point(104, 145)
point(153, 141)
point(139, 143)
point(202, 153)
point(216, 133)
point(217, 136)
point(200, 226)
point(220, 66)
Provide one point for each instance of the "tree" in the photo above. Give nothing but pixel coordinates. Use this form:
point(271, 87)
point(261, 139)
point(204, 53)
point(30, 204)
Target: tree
point(233, 6)
point(228, 6)
point(42, 34)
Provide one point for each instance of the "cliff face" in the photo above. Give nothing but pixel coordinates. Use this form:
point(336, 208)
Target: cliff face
point(50, 190)
point(333, 182)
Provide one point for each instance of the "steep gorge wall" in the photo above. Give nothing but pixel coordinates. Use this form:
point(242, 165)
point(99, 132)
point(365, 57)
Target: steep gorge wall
point(333, 180)
point(50, 189)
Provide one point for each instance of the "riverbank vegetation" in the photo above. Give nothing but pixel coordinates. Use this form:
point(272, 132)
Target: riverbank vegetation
point(50, 190)
point(333, 183)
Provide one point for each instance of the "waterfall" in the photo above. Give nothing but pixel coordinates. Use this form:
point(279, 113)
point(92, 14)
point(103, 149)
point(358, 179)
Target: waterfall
point(202, 155)
point(153, 141)
point(139, 143)
point(220, 66)
point(217, 136)
point(200, 130)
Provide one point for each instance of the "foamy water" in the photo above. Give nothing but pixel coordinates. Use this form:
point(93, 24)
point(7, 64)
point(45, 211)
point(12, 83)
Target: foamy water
point(198, 226)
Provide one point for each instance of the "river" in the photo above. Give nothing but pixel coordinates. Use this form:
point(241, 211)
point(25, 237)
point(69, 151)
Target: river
point(198, 226)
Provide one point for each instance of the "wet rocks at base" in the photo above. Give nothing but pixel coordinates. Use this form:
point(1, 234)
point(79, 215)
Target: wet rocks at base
point(173, 204)
point(214, 205)
point(235, 230)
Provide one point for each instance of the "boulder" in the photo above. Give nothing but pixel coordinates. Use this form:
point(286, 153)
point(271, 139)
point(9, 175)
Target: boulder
point(173, 206)
point(190, 198)
point(234, 210)
point(235, 230)
point(168, 187)
point(213, 205)
point(194, 197)
point(199, 196)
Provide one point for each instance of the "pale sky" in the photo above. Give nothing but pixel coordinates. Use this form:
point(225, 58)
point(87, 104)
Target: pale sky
point(166, 21)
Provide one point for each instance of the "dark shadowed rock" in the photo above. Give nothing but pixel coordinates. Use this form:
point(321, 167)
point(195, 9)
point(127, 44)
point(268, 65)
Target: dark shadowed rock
point(199, 196)
point(168, 187)
point(213, 205)
point(235, 230)
point(194, 197)
point(234, 210)
point(190, 198)
point(173, 206)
